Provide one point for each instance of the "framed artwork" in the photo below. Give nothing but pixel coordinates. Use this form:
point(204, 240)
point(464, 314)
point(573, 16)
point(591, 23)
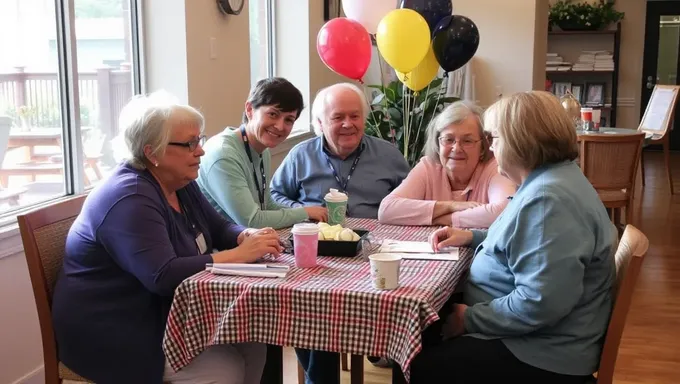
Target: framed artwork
point(560, 89)
point(577, 91)
point(594, 94)
point(332, 9)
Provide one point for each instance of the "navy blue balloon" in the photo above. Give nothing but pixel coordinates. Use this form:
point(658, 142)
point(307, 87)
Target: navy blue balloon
point(431, 10)
point(455, 41)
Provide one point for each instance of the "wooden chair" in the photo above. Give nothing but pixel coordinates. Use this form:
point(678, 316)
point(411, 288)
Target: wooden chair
point(660, 135)
point(629, 257)
point(43, 232)
point(610, 163)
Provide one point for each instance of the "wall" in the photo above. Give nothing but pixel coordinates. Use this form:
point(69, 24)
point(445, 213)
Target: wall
point(21, 354)
point(510, 39)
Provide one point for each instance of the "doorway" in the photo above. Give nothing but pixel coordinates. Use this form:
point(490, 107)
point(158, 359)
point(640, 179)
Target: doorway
point(661, 61)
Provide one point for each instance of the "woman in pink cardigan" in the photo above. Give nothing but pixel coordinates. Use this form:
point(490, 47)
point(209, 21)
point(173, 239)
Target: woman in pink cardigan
point(457, 182)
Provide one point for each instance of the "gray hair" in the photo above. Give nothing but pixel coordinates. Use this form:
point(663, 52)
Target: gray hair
point(320, 104)
point(149, 120)
point(454, 113)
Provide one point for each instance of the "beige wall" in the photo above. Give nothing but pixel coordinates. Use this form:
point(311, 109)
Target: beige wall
point(21, 354)
point(509, 41)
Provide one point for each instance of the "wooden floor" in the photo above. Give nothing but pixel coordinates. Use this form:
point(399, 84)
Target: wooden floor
point(650, 350)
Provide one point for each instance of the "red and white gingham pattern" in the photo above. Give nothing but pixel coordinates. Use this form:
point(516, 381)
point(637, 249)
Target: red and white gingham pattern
point(332, 307)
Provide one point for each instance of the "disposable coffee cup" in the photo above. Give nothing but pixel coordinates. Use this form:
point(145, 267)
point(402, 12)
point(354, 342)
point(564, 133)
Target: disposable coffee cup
point(587, 114)
point(305, 244)
point(336, 203)
point(385, 270)
point(596, 117)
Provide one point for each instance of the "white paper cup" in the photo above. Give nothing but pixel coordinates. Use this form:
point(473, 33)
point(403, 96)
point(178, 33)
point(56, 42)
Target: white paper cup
point(385, 270)
point(597, 113)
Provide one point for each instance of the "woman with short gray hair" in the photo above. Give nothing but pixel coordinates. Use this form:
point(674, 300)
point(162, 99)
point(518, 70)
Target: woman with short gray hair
point(140, 233)
point(456, 182)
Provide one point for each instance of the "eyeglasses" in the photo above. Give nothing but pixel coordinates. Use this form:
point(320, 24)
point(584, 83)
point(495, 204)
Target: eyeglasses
point(192, 144)
point(449, 141)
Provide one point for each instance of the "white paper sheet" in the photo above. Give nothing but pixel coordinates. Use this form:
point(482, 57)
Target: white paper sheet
point(249, 272)
point(452, 256)
point(398, 246)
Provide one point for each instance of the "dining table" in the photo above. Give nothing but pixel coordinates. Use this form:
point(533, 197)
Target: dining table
point(612, 131)
point(330, 307)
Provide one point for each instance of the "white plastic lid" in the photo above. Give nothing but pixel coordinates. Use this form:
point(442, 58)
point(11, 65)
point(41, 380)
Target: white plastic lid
point(335, 196)
point(305, 229)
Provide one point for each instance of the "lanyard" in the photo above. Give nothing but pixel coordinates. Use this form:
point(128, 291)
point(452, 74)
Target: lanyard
point(260, 192)
point(343, 185)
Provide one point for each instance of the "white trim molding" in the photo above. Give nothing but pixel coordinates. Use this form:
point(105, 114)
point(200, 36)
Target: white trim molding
point(36, 376)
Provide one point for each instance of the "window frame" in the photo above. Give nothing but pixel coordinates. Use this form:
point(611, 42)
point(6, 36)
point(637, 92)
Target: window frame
point(67, 78)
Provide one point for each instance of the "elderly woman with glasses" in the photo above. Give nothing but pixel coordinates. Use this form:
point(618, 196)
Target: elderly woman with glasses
point(538, 295)
point(456, 182)
point(140, 233)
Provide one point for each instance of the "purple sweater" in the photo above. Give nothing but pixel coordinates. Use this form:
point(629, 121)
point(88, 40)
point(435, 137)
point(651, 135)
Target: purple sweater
point(125, 254)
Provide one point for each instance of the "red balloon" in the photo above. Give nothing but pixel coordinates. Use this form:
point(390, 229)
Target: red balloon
point(344, 46)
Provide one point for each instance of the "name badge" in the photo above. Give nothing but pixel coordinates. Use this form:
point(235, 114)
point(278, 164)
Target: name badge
point(200, 242)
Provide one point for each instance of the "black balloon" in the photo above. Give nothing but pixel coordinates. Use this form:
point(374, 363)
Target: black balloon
point(455, 41)
point(432, 10)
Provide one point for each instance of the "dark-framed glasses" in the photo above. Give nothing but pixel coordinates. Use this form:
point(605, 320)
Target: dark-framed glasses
point(192, 144)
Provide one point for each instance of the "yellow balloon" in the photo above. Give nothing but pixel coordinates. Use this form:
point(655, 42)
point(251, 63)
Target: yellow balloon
point(403, 39)
point(423, 74)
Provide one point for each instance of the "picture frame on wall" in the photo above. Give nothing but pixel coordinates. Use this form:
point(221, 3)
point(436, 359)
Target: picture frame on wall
point(577, 91)
point(560, 88)
point(332, 9)
point(594, 94)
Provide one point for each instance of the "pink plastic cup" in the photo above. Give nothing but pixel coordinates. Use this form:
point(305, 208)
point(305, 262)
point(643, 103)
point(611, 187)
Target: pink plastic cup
point(305, 244)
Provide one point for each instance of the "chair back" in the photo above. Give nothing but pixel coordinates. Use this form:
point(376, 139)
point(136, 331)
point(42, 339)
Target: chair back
point(629, 257)
point(43, 233)
point(610, 161)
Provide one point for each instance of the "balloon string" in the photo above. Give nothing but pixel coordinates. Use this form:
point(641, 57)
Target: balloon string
point(422, 117)
point(385, 106)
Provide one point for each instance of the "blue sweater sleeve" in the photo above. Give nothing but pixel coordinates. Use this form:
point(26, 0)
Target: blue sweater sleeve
point(135, 234)
point(284, 187)
point(546, 256)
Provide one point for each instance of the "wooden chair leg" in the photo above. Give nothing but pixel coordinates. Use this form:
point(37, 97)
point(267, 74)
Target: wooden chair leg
point(667, 159)
point(629, 212)
point(343, 362)
point(301, 374)
point(642, 166)
point(357, 373)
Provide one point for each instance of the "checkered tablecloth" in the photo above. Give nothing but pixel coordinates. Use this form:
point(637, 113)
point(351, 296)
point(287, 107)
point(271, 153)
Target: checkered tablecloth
point(332, 307)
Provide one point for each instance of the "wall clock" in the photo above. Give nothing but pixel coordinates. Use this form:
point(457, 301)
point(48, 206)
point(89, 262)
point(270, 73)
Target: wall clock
point(230, 7)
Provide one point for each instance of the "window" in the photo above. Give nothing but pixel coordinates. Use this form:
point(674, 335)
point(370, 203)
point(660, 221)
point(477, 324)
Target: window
point(261, 39)
point(64, 76)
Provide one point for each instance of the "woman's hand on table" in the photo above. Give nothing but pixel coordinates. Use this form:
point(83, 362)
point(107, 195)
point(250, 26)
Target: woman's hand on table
point(455, 322)
point(253, 245)
point(317, 213)
point(449, 237)
point(251, 231)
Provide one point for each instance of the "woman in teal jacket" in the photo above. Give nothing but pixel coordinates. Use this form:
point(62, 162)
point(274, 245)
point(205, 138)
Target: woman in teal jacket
point(237, 162)
point(538, 297)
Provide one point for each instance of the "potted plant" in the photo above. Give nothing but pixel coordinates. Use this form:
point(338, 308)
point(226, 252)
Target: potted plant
point(402, 116)
point(25, 112)
point(570, 16)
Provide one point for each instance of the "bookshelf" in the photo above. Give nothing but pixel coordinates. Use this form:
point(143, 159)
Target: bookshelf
point(570, 44)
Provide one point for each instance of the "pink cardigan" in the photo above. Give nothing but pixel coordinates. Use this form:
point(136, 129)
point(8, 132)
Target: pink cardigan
point(412, 203)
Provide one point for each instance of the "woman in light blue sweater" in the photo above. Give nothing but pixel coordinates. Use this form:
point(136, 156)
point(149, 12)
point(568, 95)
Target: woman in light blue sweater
point(237, 162)
point(538, 297)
